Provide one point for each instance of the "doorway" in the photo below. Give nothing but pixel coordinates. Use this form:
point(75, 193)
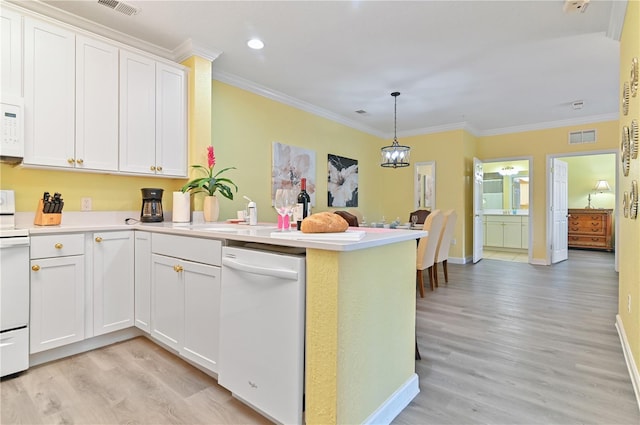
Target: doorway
point(585, 189)
point(506, 202)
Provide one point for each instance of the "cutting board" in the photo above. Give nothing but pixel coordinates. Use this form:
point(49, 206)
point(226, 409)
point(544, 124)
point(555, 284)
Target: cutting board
point(349, 235)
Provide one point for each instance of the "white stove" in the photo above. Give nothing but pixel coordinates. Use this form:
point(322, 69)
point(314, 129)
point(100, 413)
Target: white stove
point(14, 289)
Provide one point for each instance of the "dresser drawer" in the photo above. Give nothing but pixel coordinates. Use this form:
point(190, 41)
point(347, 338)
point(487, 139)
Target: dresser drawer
point(49, 246)
point(588, 241)
point(587, 228)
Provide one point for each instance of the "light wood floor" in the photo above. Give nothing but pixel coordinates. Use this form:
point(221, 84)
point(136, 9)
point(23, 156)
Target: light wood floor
point(502, 343)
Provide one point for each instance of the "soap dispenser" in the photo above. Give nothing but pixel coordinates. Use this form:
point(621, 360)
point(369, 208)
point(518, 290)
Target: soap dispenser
point(253, 212)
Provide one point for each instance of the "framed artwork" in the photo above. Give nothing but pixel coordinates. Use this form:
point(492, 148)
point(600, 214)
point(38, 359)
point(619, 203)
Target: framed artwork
point(342, 181)
point(425, 185)
point(289, 165)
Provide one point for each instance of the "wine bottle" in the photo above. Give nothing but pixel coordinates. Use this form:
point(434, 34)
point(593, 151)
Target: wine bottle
point(304, 203)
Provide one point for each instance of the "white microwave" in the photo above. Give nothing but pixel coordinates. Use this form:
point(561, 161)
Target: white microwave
point(11, 128)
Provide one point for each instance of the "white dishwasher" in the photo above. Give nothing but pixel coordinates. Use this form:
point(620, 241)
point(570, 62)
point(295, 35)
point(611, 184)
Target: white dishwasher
point(262, 330)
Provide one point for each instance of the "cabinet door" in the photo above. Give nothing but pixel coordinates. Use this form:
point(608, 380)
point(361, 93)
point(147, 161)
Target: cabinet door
point(494, 234)
point(171, 121)
point(143, 280)
point(11, 53)
point(525, 233)
point(57, 302)
point(512, 236)
point(113, 291)
point(96, 105)
point(137, 113)
point(167, 300)
point(49, 94)
point(201, 314)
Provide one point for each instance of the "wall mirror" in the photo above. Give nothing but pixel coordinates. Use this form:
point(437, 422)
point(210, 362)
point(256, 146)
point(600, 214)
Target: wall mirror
point(425, 185)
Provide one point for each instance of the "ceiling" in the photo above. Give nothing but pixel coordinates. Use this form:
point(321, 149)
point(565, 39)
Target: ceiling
point(489, 67)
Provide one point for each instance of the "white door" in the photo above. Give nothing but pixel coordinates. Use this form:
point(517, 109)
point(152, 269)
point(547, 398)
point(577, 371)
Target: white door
point(96, 105)
point(559, 211)
point(478, 233)
point(113, 292)
point(49, 94)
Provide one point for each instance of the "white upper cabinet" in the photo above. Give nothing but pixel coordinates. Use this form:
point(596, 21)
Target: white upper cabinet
point(11, 53)
point(49, 94)
point(171, 120)
point(96, 141)
point(152, 117)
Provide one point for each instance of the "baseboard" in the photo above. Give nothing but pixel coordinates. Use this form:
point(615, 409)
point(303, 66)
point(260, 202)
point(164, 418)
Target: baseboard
point(84, 345)
point(400, 399)
point(628, 357)
point(457, 260)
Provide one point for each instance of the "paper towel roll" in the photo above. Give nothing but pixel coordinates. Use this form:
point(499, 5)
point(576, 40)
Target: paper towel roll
point(181, 207)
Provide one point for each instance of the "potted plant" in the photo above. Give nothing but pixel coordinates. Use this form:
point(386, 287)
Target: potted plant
point(209, 184)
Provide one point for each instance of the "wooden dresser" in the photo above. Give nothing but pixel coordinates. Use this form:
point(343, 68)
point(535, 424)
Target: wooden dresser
point(590, 228)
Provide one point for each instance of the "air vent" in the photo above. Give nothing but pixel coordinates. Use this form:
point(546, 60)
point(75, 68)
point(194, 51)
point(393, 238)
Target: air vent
point(580, 137)
point(361, 112)
point(119, 6)
point(575, 6)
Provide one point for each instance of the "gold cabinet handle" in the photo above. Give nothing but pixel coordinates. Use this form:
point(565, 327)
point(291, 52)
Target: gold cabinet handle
point(80, 161)
point(70, 160)
point(158, 168)
point(35, 267)
point(152, 168)
point(98, 239)
point(177, 268)
point(58, 245)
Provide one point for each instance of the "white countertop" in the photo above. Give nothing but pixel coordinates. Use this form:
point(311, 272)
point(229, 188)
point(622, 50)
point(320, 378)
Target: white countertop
point(111, 221)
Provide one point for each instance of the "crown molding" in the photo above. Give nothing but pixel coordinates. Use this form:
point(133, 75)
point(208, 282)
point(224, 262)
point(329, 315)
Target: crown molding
point(188, 48)
point(550, 124)
point(616, 19)
point(465, 126)
point(252, 87)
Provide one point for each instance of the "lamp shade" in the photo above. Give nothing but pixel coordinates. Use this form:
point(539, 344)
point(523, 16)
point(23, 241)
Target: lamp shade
point(602, 186)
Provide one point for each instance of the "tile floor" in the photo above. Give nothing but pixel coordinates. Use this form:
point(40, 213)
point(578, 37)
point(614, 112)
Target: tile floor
point(519, 257)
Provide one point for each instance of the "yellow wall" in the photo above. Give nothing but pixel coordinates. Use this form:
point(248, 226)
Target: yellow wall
point(537, 145)
point(244, 127)
point(629, 236)
point(584, 172)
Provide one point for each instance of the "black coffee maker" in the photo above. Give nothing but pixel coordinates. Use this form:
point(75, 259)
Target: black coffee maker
point(151, 211)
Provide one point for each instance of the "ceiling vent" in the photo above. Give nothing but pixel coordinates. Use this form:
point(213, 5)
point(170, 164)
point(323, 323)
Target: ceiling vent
point(580, 137)
point(119, 6)
point(575, 6)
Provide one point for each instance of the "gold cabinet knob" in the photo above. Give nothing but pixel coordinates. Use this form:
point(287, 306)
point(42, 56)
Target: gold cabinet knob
point(158, 168)
point(70, 160)
point(35, 267)
point(98, 239)
point(152, 168)
point(177, 268)
point(80, 161)
point(58, 245)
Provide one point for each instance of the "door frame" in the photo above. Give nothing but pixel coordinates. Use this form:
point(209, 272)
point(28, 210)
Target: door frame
point(549, 183)
point(528, 158)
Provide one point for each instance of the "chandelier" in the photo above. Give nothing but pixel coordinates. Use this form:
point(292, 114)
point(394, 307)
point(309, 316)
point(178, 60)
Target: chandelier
point(395, 155)
point(508, 171)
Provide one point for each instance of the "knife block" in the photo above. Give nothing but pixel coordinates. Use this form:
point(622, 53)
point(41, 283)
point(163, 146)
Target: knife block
point(43, 219)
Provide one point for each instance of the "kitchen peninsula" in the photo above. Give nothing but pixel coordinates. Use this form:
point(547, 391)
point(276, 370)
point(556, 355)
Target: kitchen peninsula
point(360, 313)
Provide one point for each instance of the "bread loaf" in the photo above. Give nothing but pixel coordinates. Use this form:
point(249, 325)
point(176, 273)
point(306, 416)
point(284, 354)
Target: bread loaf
point(324, 222)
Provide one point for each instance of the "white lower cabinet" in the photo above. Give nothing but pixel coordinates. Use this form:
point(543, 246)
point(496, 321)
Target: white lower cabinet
point(57, 291)
point(142, 280)
point(113, 281)
point(185, 297)
point(506, 231)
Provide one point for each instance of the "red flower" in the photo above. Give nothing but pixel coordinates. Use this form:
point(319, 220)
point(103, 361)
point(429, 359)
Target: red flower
point(211, 157)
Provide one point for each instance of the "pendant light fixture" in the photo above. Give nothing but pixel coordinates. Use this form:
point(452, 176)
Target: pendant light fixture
point(395, 155)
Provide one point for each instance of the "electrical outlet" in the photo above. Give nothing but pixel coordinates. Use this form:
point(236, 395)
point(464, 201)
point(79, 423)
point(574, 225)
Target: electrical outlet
point(453, 241)
point(85, 204)
point(629, 303)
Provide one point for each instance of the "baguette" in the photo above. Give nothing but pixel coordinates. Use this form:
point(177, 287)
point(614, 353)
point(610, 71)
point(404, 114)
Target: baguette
point(324, 222)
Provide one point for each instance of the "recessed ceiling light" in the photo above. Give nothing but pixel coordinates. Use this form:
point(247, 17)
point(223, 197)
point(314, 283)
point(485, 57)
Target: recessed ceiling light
point(255, 43)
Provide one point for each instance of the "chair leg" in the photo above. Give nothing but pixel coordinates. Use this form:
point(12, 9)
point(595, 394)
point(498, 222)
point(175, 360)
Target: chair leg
point(420, 283)
point(430, 271)
point(435, 274)
point(446, 274)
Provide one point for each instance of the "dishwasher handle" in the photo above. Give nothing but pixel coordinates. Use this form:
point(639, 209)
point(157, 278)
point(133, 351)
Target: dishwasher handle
point(264, 271)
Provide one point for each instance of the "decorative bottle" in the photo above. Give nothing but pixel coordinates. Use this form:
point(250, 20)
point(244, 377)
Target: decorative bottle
point(304, 203)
